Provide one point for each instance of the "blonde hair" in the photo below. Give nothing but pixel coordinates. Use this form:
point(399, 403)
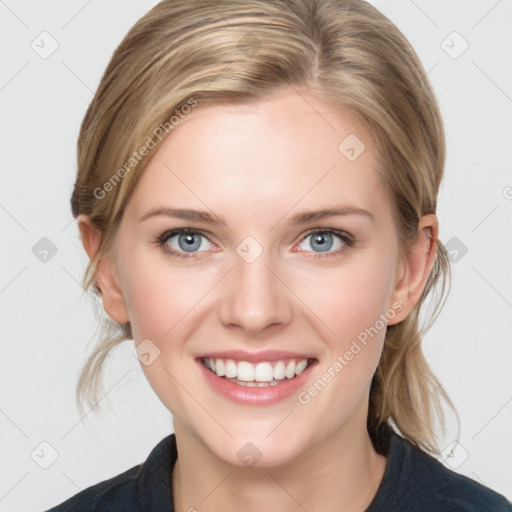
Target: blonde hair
point(184, 53)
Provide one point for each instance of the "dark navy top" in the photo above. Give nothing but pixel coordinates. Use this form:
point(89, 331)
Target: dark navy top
point(413, 481)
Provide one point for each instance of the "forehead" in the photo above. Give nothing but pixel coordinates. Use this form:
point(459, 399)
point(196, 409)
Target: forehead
point(276, 152)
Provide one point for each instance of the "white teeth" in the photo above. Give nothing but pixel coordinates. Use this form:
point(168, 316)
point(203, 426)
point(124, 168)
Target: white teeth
point(230, 369)
point(219, 368)
point(290, 370)
point(279, 370)
point(265, 373)
point(300, 367)
point(245, 371)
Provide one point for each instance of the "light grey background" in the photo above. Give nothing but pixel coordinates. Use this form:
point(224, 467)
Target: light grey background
point(48, 327)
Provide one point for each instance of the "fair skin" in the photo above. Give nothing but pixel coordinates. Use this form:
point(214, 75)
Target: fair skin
point(256, 166)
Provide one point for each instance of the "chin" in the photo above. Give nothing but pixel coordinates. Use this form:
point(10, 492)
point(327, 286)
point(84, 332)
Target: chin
point(258, 456)
point(255, 448)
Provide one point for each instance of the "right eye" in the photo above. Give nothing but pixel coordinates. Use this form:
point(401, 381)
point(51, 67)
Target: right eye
point(183, 241)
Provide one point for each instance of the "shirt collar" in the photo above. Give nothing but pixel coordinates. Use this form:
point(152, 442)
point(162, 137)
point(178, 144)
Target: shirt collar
point(155, 478)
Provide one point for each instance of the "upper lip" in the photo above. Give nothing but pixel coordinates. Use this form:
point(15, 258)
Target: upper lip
point(255, 357)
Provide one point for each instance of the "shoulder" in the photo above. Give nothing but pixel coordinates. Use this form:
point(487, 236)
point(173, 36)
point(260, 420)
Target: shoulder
point(120, 491)
point(142, 486)
point(425, 484)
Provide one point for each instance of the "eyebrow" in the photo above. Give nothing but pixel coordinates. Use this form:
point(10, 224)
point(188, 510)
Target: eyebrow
point(300, 218)
point(335, 211)
point(186, 214)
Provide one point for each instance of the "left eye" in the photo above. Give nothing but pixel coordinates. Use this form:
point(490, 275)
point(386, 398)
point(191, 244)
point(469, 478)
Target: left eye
point(323, 241)
point(186, 241)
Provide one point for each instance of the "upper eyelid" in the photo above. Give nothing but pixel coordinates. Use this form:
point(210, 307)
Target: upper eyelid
point(334, 231)
point(171, 233)
point(180, 231)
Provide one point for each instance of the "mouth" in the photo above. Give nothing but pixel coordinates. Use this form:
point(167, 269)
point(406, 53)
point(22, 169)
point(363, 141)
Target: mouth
point(256, 382)
point(262, 374)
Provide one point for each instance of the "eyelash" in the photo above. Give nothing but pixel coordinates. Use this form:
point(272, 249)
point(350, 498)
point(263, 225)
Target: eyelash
point(161, 241)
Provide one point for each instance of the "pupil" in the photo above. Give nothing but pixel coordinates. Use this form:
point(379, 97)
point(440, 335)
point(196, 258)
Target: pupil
point(189, 242)
point(323, 241)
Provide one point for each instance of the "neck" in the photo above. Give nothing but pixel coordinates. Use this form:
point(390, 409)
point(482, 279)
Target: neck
point(342, 472)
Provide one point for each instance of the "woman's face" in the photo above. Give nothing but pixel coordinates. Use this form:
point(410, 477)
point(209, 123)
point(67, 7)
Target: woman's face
point(249, 282)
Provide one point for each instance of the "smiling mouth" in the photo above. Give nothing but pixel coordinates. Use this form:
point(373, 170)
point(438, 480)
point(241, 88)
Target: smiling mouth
point(261, 375)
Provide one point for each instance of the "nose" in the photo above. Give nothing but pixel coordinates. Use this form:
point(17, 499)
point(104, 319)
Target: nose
point(255, 299)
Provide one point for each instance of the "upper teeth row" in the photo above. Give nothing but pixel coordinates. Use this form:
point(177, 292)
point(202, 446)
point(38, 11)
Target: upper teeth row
point(260, 372)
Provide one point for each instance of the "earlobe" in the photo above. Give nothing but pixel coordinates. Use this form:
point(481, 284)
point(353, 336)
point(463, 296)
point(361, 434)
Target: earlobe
point(416, 267)
point(106, 275)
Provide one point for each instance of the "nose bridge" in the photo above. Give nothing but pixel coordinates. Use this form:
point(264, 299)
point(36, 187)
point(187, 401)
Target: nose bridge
point(255, 299)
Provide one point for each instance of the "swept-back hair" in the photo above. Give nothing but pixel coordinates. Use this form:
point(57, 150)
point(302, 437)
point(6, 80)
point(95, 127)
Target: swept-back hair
point(186, 53)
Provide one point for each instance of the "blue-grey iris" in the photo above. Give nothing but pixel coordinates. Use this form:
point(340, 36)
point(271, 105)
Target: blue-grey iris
point(324, 241)
point(189, 245)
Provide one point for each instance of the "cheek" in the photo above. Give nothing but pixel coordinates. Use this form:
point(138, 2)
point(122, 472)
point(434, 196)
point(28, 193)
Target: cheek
point(152, 308)
point(350, 299)
point(161, 303)
point(158, 296)
point(352, 303)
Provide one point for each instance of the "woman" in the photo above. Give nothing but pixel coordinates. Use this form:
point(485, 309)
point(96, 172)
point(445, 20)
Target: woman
point(256, 191)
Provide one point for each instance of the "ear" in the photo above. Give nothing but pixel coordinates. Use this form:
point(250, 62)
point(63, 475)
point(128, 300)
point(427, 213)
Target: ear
point(415, 268)
point(106, 275)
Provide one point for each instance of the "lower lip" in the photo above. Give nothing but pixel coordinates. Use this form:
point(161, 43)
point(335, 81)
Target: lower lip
point(253, 395)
